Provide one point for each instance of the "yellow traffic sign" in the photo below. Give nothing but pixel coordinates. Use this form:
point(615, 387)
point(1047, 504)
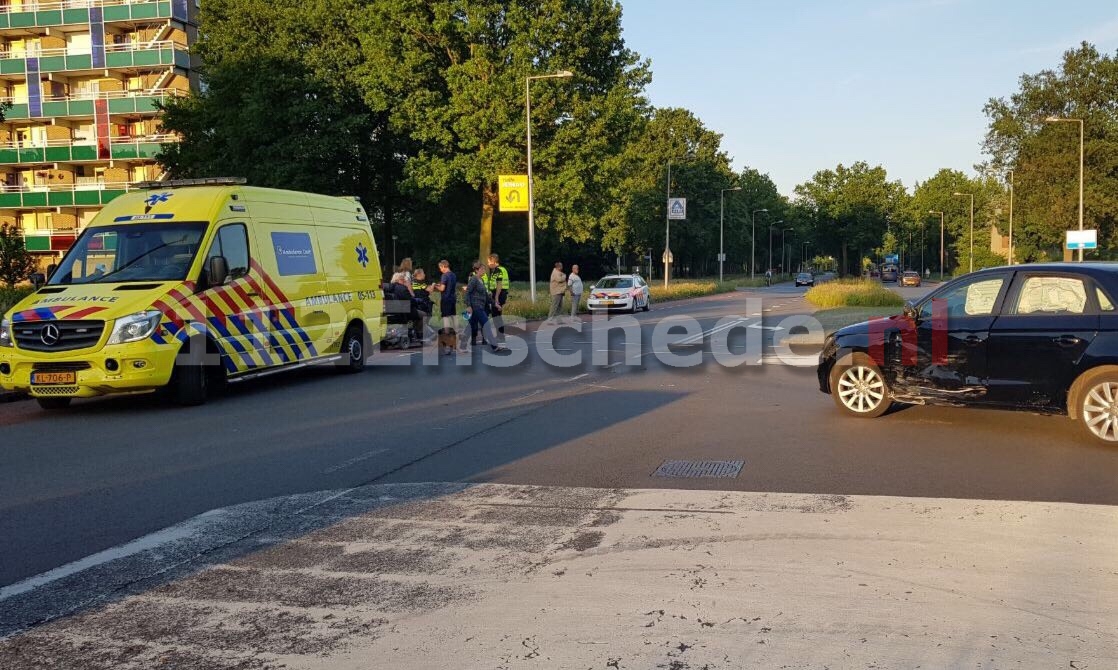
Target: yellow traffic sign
point(512, 192)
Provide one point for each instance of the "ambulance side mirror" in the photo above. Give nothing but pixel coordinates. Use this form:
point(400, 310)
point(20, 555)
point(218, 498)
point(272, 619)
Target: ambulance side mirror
point(51, 270)
point(37, 279)
point(217, 271)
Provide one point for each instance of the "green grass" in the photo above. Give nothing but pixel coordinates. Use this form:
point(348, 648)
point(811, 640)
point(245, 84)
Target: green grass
point(853, 293)
point(10, 296)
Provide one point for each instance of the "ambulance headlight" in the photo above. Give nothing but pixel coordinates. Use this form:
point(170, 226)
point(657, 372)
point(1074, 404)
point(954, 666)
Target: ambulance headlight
point(135, 327)
point(5, 333)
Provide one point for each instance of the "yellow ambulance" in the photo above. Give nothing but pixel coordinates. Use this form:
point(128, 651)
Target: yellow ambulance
point(188, 284)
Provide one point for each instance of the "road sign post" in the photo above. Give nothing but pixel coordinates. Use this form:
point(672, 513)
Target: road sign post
point(512, 192)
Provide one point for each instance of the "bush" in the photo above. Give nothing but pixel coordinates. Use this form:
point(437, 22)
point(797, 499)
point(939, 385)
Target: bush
point(853, 293)
point(10, 296)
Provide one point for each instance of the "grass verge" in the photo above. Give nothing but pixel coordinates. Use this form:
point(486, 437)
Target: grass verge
point(10, 296)
point(853, 293)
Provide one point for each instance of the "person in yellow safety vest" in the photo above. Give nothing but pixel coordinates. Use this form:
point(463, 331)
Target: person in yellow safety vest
point(497, 283)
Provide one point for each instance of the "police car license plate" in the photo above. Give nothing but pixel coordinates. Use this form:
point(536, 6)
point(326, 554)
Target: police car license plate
point(54, 377)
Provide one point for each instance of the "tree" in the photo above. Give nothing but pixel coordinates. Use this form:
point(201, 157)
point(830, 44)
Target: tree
point(1045, 156)
point(852, 208)
point(451, 74)
point(938, 194)
point(16, 263)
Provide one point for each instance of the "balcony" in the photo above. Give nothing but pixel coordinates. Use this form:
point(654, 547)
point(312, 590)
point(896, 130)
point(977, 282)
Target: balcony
point(153, 55)
point(49, 240)
point(76, 12)
point(81, 105)
point(87, 193)
point(83, 151)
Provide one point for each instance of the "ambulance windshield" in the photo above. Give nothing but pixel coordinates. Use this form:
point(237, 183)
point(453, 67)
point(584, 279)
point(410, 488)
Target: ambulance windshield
point(131, 252)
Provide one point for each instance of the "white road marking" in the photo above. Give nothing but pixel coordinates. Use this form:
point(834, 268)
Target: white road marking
point(698, 339)
point(578, 377)
point(353, 461)
point(760, 327)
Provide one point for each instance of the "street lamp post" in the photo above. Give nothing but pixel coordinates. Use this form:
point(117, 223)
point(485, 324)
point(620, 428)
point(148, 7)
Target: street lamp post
point(933, 211)
point(783, 267)
point(971, 196)
point(774, 223)
point(1011, 217)
point(394, 238)
point(721, 228)
point(668, 227)
point(753, 245)
point(1055, 119)
point(564, 74)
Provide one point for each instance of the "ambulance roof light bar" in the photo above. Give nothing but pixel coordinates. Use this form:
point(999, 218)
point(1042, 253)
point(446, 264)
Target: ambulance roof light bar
point(208, 181)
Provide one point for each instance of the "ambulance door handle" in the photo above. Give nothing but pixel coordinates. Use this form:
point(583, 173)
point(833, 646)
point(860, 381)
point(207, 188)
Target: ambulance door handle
point(318, 312)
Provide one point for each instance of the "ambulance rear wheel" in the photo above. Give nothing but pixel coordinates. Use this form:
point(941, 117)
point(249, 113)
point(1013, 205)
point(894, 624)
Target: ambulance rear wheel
point(54, 403)
point(353, 350)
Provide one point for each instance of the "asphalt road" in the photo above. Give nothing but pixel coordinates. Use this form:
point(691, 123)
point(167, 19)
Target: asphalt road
point(108, 471)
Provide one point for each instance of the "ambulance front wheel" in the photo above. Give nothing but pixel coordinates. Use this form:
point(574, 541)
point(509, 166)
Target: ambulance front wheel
point(354, 350)
point(195, 377)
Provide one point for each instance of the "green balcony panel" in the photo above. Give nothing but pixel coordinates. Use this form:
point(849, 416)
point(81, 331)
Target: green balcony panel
point(37, 199)
point(22, 20)
point(118, 59)
point(79, 62)
point(87, 198)
point(147, 57)
point(52, 64)
point(8, 156)
point(55, 109)
point(80, 108)
point(13, 66)
point(37, 242)
point(122, 106)
point(75, 16)
point(110, 194)
point(181, 59)
point(60, 198)
point(32, 155)
point(50, 17)
point(125, 151)
point(18, 111)
point(58, 154)
point(11, 200)
point(84, 152)
point(4, 22)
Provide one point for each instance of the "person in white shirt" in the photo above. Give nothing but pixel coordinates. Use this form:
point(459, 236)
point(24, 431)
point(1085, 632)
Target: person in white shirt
point(574, 284)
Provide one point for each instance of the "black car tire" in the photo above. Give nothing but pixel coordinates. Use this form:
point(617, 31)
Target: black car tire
point(859, 388)
point(1094, 407)
point(354, 350)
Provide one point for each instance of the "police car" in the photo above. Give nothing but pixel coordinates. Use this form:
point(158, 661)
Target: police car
point(624, 292)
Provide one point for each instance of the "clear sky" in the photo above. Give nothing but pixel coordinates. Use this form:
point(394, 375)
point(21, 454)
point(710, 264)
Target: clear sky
point(799, 86)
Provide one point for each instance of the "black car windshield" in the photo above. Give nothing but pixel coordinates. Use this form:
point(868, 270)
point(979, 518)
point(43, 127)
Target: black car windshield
point(615, 282)
point(131, 252)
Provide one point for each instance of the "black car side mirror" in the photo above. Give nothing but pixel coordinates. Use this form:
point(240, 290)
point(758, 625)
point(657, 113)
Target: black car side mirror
point(910, 311)
point(217, 271)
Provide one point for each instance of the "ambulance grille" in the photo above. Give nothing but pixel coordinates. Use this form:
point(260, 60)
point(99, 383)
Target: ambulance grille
point(40, 391)
point(58, 335)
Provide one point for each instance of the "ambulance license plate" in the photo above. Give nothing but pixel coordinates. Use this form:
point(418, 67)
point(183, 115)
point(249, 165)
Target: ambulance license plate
point(44, 378)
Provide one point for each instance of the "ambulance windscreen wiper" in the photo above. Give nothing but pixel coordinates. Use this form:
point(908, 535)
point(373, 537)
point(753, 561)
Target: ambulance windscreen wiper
point(137, 258)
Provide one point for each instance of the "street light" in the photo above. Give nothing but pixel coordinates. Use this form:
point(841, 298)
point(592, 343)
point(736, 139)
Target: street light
point(753, 245)
point(721, 217)
point(563, 74)
point(394, 238)
point(971, 196)
point(783, 246)
point(774, 223)
point(1056, 119)
point(933, 211)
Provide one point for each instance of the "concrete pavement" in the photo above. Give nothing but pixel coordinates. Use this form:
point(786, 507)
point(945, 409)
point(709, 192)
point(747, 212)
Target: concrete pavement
point(491, 576)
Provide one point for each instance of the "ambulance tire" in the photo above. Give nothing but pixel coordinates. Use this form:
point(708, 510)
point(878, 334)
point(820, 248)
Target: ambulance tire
point(54, 403)
point(355, 349)
point(192, 378)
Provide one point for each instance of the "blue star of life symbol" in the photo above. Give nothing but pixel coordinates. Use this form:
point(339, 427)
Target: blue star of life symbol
point(362, 255)
point(156, 198)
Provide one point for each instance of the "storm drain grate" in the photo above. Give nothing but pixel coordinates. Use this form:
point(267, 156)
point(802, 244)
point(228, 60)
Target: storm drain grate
point(699, 469)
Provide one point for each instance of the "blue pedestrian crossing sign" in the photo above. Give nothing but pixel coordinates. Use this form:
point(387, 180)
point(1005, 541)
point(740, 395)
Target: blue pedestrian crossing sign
point(1083, 239)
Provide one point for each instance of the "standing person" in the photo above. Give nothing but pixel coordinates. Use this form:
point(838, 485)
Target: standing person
point(558, 290)
point(447, 287)
point(477, 304)
point(421, 298)
point(574, 283)
point(497, 283)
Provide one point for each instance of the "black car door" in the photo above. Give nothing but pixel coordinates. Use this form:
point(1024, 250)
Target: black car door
point(951, 341)
point(1048, 322)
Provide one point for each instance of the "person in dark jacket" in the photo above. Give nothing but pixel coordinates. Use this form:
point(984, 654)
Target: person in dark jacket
point(477, 304)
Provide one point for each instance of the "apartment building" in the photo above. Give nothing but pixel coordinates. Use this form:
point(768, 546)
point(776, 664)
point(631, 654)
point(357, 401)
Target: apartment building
point(81, 80)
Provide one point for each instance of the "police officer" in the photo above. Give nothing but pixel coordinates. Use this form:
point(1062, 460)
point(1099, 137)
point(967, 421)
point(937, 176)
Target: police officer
point(497, 283)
